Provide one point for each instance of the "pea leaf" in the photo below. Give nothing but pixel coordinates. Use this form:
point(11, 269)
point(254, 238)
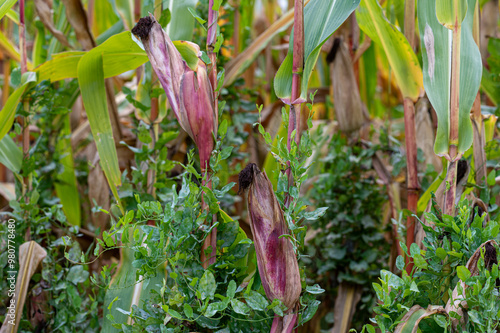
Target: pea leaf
point(256, 301)
point(463, 273)
point(207, 285)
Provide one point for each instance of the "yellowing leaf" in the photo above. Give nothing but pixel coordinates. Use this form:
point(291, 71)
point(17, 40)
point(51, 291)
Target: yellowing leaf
point(119, 53)
point(91, 80)
point(30, 257)
point(402, 59)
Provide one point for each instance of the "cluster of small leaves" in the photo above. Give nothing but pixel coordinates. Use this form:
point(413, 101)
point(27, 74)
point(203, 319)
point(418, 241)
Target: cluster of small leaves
point(61, 297)
point(438, 270)
point(74, 300)
point(293, 161)
point(288, 195)
point(491, 191)
point(349, 244)
point(166, 238)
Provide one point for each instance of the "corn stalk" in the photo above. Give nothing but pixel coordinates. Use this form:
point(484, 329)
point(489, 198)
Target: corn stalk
point(211, 240)
point(297, 69)
point(454, 156)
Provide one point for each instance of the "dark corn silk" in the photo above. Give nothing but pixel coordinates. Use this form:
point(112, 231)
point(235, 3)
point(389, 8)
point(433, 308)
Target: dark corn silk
point(277, 262)
point(188, 90)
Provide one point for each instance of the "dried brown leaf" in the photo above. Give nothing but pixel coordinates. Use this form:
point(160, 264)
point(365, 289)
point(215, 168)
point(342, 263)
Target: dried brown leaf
point(347, 101)
point(44, 11)
point(31, 255)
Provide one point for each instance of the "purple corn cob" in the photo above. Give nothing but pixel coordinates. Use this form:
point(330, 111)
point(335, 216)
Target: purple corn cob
point(188, 90)
point(277, 262)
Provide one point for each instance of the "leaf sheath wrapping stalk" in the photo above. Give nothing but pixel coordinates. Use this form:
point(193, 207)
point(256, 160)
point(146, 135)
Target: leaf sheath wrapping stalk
point(436, 41)
point(321, 19)
point(278, 267)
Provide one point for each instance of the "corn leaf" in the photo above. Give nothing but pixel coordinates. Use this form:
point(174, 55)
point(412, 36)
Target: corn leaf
point(6, 6)
point(401, 57)
point(348, 297)
point(119, 53)
point(321, 19)
point(8, 112)
point(424, 199)
point(66, 185)
point(181, 24)
point(123, 291)
point(39, 54)
point(104, 18)
point(10, 154)
point(13, 16)
point(8, 48)
point(436, 41)
point(91, 80)
point(448, 12)
point(125, 9)
point(489, 80)
point(30, 257)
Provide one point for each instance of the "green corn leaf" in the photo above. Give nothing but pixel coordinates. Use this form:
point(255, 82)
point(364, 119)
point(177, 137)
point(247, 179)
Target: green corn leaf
point(436, 42)
point(401, 57)
point(489, 81)
point(10, 154)
point(91, 80)
point(123, 291)
point(120, 53)
point(450, 12)
point(14, 16)
point(6, 6)
point(125, 9)
point(181, 24)
point(321, 19)
point(8, 112)
point(424, 199)
point(61, 66)
point(105, 17)
point(66, 185)
point(39, 54)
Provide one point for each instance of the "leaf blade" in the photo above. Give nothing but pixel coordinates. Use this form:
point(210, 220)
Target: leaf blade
point(436, 41)
point(321, 19)
point(91, 81)
point(401, 57)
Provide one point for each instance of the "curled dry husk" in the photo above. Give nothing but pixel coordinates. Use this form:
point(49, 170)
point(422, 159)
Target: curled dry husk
point(188, 89)
point(276, 259)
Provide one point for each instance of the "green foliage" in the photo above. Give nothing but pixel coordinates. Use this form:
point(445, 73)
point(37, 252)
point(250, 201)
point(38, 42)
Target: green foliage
point(439, 268)
point(349, 243)
point(295, 212)
point(170, 232)
point(62, 292)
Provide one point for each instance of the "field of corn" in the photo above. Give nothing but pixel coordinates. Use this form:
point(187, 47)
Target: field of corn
point(178, 166)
